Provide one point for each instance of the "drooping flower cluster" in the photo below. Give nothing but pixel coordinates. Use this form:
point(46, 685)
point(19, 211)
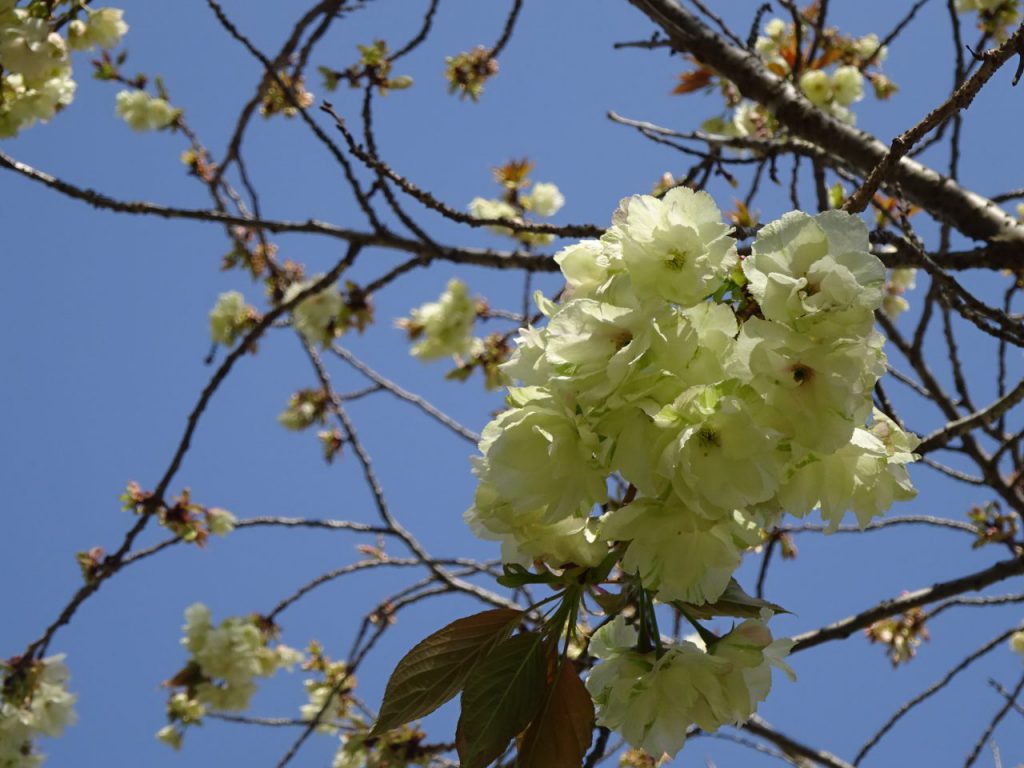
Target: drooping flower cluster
point(35, 69)
point(221, 673)
point(34, 701)
point(723, 392)
point(832, 80)
point(649, 698)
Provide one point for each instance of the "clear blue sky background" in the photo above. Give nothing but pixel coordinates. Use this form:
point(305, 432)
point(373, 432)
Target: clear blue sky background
point(104, 331)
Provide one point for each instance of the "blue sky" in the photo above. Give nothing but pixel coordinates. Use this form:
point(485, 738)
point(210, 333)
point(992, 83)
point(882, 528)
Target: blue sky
point(104, 332)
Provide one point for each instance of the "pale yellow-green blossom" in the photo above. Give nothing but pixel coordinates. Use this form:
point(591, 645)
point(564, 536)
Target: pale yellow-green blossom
point(143, 112)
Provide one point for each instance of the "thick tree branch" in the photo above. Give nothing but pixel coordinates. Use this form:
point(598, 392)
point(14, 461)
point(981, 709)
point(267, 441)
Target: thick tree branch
point(972, 582)
point(972, 214)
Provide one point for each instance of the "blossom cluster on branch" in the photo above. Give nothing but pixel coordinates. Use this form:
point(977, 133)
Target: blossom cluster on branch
point(34, 701)
point(35, 66)
point(723, 392)
point(225, 661)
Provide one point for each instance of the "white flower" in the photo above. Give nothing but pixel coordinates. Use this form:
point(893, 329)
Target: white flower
point(774, 28)
point(828, 382)
point(23, 105)
point(866, 476)
point(351, 753)
point(1017, 642)
point(44, 707)
point(541, 455)
point(30, 49)
point(171, 736)
point(678, 553)
point(444, 327)
point(589, 265)
point(104, 27)
point(847, 85)
point(593, 348)
point(675, 248)
point(867, 45)
point(749, 646)
point(482, 208)
point(320, 317)
point(528, 536)
point(717, 457)
point(229, 656)
point(229, 318)
point(816, 274)
point(894, 305)
point(221, 521)
point(978, 5)
point(144, 112)
point(543, 199)
point(816, 86)
point(652, 701)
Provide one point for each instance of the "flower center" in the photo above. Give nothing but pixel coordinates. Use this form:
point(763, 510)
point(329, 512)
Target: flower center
point(708, 438)
point(676, 259)
point(621, 339)
point(801, 373)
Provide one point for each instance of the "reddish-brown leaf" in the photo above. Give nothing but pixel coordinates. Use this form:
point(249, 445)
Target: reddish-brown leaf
point(436, 669)
point(560, 735)
point(694, 80)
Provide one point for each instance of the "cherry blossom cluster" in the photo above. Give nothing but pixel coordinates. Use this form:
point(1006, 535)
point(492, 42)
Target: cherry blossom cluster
point(35, 66)
point(221, 673)
point(722, 392)
point(34, 701)
point(831, 76)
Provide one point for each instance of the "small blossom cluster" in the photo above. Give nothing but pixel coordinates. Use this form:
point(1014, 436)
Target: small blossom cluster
point(399, 747)
point(902, 635)
point(34, 701)
point(189, 521)
point(995, 17)
point(900, 281)
point(444, 328)
point(231, 318)
point(305, 408)
point(329, 694)
point(35, 68)
point(543, 199)
point(649, 697)
point(331, 701)
point(286, 100)
point(374, 68)
point(468, 71)
point(328, 313)
point(834, 91)
point(143, 112)
point(225, 661)
point(725, 393)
